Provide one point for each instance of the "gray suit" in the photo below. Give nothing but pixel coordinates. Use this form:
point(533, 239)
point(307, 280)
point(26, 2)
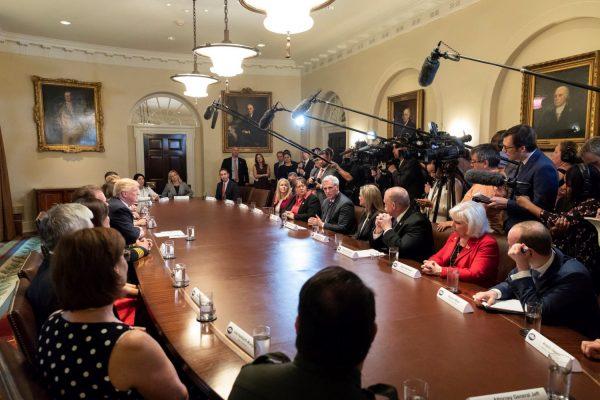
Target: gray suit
point(184, 190)
point(338, 215)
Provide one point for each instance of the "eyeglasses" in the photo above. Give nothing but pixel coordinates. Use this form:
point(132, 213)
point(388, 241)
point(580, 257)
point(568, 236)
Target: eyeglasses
point(508, 147)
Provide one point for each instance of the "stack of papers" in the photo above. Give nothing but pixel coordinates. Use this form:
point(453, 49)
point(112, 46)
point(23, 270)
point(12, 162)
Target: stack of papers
point(171, 234)
point(512, 306)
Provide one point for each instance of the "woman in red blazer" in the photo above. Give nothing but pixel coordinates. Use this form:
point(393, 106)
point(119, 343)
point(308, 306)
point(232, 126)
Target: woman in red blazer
point(470, 248)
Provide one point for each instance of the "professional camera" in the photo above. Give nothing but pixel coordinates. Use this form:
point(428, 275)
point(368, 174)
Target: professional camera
point(435, 146)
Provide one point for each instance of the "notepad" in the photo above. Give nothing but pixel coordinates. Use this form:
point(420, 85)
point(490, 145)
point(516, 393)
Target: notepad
point(512, 306)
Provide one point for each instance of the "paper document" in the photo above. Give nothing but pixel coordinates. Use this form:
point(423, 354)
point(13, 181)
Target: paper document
point(171, 234)
point(511, 306)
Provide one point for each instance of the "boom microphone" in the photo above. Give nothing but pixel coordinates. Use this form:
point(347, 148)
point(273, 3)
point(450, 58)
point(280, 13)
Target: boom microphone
point(304, 106)
point(492, 179)
point(215, 115)
point(430, 67)
point(267, 117)
point(210, 110)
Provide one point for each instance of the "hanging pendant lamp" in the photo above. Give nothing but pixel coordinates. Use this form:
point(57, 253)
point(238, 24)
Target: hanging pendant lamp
point(196, 84)
point(226, 57)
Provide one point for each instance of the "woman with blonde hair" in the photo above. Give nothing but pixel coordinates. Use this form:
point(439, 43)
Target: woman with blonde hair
point(176, 186)
point(370, 198)
point(283, 195)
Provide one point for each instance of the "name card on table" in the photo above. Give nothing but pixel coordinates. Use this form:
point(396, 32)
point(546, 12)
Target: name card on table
point(257, 211)
point(406, 269)
point(181, 198)
point(455, 301)
point(241, 338)
point(163, 200)
point(546, 347)
point(320, 237)
point(275, 218)
point(529, 394)
point(229, 202)
point(355, 254)
point(244, 206)
point(171, 234)
point(210, 198)
point(291, 225)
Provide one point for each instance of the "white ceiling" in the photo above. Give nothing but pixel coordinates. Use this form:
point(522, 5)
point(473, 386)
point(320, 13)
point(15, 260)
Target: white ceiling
point(147, 24)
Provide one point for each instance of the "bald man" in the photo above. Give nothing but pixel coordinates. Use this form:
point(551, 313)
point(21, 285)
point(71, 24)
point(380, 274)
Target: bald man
point(561, 120)
point(402, 226)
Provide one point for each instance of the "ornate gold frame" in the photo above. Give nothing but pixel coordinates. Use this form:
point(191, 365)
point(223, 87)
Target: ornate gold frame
point(38, 114)
point(246, 93)
point(592, 110)
point(418, 95)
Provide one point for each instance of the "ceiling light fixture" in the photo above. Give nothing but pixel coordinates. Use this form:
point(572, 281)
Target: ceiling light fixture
point(196, 84)
point(65, 22)
point(226, 57)
point(286, 17)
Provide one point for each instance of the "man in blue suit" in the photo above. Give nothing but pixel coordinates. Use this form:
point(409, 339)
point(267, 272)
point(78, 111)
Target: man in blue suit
point(537, 175)
point(544, 274)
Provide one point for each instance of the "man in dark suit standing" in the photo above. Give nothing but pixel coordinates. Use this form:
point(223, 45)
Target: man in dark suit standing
point(236, 167)
point(410, 176)
point(337, 209)
point(305, 166)
point(126, 192)
point(227, 189)
point(544, 274)
point(537, 174)
point(403, 227)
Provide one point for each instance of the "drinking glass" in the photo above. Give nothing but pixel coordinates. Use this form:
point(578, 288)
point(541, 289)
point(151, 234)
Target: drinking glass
point(238, 201)
point(415, 389)
point(207, 309)
point(180, 278)
point(252, 205)
point(262, 340)
point(452, 279)
point(393, 253)
point(338, 239)
point(151, 222)
point(559, 376)
point(533, 317)
point(169, 250)
point(191, 233)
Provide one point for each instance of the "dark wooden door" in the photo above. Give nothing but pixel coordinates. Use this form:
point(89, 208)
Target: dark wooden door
point(163, 153)
point(337, 141)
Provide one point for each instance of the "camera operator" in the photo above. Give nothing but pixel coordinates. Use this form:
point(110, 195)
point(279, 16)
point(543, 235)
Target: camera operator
point(410, 174)
point(320, 171)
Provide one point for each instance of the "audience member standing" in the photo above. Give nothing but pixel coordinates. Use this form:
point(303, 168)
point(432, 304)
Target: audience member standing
point(411, 175)
point(176, 186)
point(440, 192)
point(278, 164)
point(227, 189)
point(337, 209)
point(237, 167)
point(305, 166)
point(288, 166)
point(261, 171)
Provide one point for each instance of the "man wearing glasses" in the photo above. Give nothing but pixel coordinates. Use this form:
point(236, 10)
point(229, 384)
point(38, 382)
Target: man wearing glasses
point(537, 176)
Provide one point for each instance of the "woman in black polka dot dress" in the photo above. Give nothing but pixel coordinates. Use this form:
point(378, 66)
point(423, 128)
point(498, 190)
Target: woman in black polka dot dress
point(84, 351)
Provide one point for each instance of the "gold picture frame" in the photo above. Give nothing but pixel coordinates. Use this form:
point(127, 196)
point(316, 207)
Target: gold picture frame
point(558, 111)
point(237, 133)
point(397, 104)
point(68, 115)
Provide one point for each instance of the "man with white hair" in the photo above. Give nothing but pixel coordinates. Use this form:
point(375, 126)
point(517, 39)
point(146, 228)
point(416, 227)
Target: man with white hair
point(60, 220)
point(403, 227)
point(125, 194)
point(561, 120)
point(337, 208)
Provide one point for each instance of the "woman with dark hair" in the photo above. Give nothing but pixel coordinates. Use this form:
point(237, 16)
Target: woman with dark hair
point(563, 158)
point(84, 350)
point(287, 167)
point(571, 233)
point(261, 172)
point(304, 204)
point(146, 192)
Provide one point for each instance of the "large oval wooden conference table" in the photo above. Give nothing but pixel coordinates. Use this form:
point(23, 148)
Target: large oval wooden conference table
point(255, 270)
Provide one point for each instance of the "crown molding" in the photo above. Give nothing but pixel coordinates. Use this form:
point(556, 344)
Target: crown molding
point(389, 31)
point(77, 51)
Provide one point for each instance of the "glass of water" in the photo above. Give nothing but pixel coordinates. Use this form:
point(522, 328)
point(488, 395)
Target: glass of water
point(238, 201)
point(415, 389)
point(252, 205)
point(393, 253)
point(191, 233)
point(533, 317)
point(169, 250)
point(338, 239)
point(180, 278)
point(262, 340)
point(559, 376)
point(452, 279)
point(151, 222)
point(207, 311)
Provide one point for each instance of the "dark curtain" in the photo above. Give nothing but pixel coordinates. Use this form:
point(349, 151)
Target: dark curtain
point(7, 226)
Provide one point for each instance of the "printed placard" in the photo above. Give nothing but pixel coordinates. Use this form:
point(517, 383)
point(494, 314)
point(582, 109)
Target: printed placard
point(454, 301)
point(181, 198)
point(528, 394)
point(347, 252)
point(163, 200)
point(275, 218)
point(406, 270)
point(320, 237)
point(257, 211)
point(210, 198)
point(244, 206)
point(241, 338)
point(291, 225)
point(546, 347)
point(229, 202)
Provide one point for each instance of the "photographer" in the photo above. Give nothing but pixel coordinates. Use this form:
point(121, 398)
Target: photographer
point(410, 174)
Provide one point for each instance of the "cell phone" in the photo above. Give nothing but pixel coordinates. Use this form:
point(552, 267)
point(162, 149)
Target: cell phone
point(481, 199)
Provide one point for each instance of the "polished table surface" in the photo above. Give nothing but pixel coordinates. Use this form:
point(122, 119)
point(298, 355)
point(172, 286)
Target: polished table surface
point(255, 270)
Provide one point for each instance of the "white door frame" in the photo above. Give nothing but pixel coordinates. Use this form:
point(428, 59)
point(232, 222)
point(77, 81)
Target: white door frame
point(190, 136)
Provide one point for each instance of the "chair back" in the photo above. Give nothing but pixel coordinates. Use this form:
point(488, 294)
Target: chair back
point(245, 192)
point(22, 321)
point(260, 197)
point(30, 267)
point(18, 378)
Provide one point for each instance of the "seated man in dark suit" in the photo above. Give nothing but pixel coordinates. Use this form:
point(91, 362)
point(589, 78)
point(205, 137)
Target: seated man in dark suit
point(226, 188)
point(236, 167)
point(538, 174)
point(544, 274)
point(60, 220)
point(126, 192)
point(337, 209)
point(402, 226)
point(335, 328)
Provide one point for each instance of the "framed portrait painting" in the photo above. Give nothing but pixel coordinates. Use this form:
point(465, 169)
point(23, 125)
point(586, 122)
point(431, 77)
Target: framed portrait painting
point(242, 134)
point(407, 109)
point(558, 111)
point(68, 114)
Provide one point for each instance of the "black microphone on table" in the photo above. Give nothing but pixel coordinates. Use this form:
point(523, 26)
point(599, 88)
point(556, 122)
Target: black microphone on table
point(304, 105)
point(487, 178)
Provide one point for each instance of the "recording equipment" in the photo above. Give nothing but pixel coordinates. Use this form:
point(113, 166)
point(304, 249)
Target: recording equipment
point(480, 198)
point(267, 117)
point(304, 105)
point(492, 179)
point(215, 115)
point(430, 67)
point(209, 112)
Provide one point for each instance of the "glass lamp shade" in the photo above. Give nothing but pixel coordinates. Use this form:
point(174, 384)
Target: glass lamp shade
point(195, 84)
point(226, 58)
point(286, 16)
